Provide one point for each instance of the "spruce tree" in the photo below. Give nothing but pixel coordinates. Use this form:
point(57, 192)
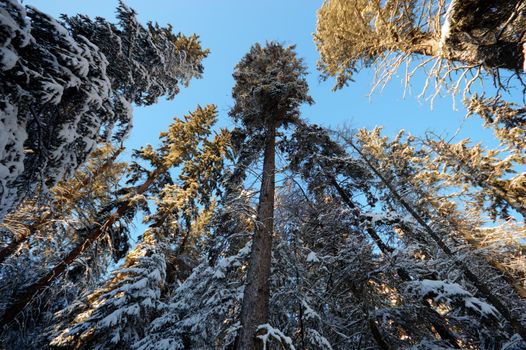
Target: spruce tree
point(436, 220)
point(460, 35)
point(40, 234)
point(270, 87)
point(180, 144)
point(116, 313)
point(68, 85)
point(75, 201)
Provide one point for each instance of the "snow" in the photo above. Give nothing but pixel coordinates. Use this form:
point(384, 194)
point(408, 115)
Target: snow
point(312, 258)
point(12, 138)
point(445, 31)
point(155, 275)
point(445, 292)
point(480, 306)
point(276, 334)
point(320, 340)
point(59, 28)
point(12, 28)
point(219, 274)
point(432, 286)
point(165, 344)
point(133, 310)
point(8, 58)
point(112, 319)
point(52, 92)
point(309, 312)
point(246, 249)
point(129, 299)
point(513, 343)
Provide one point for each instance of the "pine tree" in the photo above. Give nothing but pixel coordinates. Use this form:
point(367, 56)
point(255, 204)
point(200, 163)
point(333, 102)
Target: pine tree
point(72, 86)
point(202, 312)
point(115, 315)
point(457, 36)
point(179, 145)
point(145, 62)
point(270, 87)
point(125, 306)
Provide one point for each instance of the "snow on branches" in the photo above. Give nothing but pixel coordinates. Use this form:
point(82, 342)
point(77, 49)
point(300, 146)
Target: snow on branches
point(117, 313)
point(68, 85)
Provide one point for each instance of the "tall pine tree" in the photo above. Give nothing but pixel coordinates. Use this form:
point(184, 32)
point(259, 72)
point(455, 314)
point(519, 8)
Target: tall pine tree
point(270, 87)
point(67, 85)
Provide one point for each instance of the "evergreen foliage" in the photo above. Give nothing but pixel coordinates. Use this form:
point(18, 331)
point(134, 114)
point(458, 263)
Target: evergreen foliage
point(114, 316)
point(362, 241)
point(270, 87)
point(454, 41)
point(68, 85)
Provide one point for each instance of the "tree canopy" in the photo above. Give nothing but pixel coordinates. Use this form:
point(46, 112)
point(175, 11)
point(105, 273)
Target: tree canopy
point(273, 232)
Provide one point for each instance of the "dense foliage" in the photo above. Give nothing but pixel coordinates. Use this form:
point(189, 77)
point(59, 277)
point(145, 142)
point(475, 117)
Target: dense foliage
point(70, 84)
point(276, 234)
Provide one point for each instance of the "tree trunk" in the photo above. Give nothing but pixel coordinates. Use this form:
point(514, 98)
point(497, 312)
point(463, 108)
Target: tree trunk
point(23, 299)
point(499, 55)
point(255, 307)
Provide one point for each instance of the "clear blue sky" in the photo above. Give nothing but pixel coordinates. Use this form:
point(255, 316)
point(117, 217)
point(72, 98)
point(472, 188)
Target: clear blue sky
point(229, 27)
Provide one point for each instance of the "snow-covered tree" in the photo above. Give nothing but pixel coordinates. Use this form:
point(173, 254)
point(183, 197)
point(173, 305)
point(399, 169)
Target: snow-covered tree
point(389, 177)
point(183, 143)
point(270, 87)
point(68, 85)
point(178, 227)
point(446, 36)
point(203, 310)
point(75, 201)
point(438, 220)
point(114, 316)
point(38, 235)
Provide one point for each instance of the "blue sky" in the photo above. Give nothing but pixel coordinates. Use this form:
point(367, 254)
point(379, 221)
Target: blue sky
point(229, 27)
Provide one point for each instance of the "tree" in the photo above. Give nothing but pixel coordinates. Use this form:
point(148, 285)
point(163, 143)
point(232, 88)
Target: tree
point(508, 121)
point(456, 36)
point(69, 85)
point(76, 200)
point(381, 181)
point(485, 170)
point(115, 315)
point(39, 234)
point(179, 145)
point(270, 87)
point(434, 221)
point(203, 309)
point(333, 179)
